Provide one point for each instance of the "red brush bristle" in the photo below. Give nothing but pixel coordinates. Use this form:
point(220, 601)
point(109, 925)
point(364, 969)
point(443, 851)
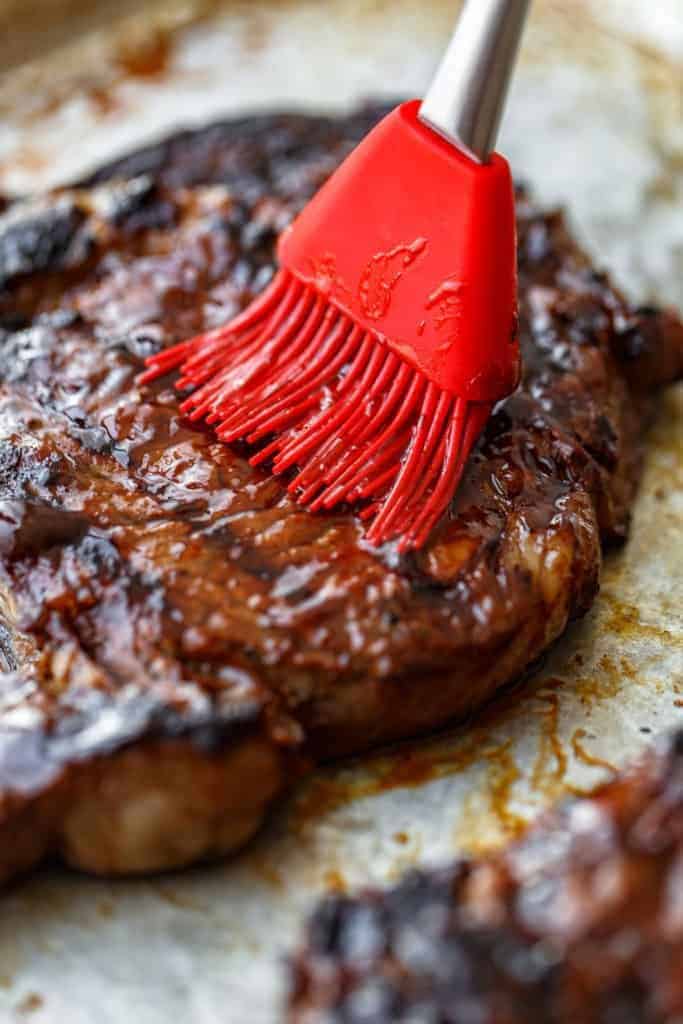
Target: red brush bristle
point(351, 416)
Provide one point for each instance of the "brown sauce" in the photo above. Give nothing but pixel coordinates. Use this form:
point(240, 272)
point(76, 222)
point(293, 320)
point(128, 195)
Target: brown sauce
point(148, 58)
point(584, 756)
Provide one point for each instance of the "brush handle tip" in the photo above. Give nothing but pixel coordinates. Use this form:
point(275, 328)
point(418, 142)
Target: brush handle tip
point(466, 98)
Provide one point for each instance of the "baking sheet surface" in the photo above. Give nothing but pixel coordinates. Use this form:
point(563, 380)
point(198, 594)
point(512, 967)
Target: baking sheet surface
point(596, 120)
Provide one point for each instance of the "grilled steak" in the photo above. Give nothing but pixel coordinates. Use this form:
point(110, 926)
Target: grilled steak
point(180, 640)
point(580, 922)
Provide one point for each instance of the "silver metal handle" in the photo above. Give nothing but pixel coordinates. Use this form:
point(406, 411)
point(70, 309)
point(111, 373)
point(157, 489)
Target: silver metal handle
point(465, 101)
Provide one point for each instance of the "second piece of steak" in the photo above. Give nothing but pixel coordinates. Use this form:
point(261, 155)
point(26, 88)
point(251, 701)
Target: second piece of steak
point(181, 639)
point(580, 922)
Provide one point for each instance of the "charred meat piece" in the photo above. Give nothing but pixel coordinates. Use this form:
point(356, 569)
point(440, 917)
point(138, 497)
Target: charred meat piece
point(580, 922)
point(258, 156)
point(180, 640)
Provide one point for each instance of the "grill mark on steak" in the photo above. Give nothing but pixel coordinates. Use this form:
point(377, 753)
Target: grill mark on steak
point(579, 921)
point(155, 581)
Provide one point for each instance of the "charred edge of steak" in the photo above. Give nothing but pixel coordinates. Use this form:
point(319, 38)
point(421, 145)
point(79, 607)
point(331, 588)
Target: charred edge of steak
point(48, 246)
point(580, 921)
point(286, 155)
point(93, 724)
point(62, 233)
point(39, 236)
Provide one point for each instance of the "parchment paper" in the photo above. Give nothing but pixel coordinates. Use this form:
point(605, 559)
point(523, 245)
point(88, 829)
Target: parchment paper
point(595, 121)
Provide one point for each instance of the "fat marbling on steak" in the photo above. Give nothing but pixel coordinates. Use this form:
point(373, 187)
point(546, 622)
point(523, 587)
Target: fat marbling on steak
point(580, 922)
point(180, 639)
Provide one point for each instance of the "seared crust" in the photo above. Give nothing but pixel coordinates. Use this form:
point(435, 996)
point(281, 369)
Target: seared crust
point(158, 590)
point(581, 922)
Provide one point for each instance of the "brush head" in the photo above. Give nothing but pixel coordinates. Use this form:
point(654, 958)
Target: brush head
point(369, 366)
point(416, 243)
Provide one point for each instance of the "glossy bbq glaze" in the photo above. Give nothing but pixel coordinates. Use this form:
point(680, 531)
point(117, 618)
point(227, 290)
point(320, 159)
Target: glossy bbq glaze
point(164, 596)
point(580, 922)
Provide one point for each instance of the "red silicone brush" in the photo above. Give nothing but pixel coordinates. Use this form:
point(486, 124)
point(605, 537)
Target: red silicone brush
point(370, 364)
